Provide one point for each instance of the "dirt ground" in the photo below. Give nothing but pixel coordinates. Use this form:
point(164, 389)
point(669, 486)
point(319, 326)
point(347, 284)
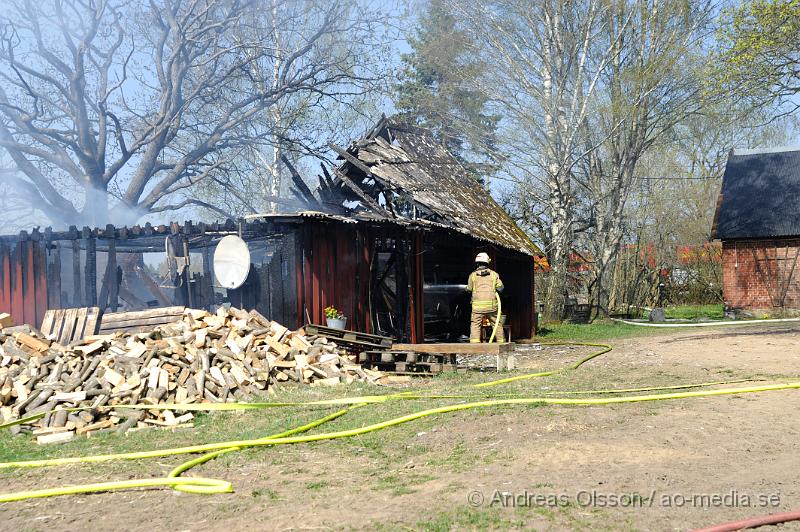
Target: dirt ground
point(664, 465)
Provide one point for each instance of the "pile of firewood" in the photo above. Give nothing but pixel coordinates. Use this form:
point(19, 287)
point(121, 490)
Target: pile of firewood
point(230, 355)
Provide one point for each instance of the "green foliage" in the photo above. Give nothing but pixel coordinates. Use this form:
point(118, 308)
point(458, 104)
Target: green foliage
point(435, 90)
point(761, 48)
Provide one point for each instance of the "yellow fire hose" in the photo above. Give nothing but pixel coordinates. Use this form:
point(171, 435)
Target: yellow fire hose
point(497, 317)
point(206, 486)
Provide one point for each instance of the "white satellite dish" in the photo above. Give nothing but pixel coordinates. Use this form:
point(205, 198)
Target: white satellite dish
point(231, 262)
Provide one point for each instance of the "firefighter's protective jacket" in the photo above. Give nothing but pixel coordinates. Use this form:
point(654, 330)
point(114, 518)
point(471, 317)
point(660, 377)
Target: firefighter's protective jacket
point(483, 283)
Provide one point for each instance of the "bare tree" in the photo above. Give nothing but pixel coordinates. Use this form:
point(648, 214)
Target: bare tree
point(144, 103)
point(300, 125)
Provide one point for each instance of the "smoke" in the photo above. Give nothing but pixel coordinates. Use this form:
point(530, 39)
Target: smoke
point(93, 208)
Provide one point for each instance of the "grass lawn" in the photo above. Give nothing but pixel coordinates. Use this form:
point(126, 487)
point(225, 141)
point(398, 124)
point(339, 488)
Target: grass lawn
point(598, 330)
point(427, 455)
point(691, 312)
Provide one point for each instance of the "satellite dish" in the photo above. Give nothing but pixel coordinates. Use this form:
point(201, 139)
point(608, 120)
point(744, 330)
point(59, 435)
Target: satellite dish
point(231, 262)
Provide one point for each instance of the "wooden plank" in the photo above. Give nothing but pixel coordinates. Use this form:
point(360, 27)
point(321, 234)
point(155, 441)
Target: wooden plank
point(348, 335)
point(92, 321)
point(60, 323)
point(316, 303)
point(58, 437)
point(368, 201)
point(47, 322)
point(70, 317)
point(113, 291)
point(29, 290)
point(167, 318)
point(80, 323)
point(17, 295)
point(5, 278)
point(41, 281)
point(54, 277)
point(135, 316)
point(457, 348)
point(133, 328)
point(91, 271)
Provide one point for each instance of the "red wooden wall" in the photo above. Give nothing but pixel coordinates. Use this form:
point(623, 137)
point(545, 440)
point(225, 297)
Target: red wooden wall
point(23, 280)
point(335, 270)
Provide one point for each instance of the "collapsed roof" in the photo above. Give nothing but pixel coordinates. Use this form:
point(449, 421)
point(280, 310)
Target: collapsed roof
point(401, 172)
point(760, 189)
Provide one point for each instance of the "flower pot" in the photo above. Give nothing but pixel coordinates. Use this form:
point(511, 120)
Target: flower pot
point(337, 323)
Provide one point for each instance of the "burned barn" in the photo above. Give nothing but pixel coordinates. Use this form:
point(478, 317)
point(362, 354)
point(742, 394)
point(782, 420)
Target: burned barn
point(388, 237)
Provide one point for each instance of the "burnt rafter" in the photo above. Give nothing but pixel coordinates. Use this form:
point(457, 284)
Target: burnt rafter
point(382, 186)
point(420, 180)
point(351, 159)
point(302, 192)
point(368, 201)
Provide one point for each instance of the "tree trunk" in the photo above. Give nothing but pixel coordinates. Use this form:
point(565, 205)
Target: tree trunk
point(95, 212)
point(274, 189)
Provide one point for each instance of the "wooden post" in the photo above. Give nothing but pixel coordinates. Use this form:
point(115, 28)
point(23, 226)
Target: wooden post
point(17, 293)
point(186, 275)
point(5, 278)
point(54, 275)
point(77, 294)
point(91, 268)
point(40, 279)
point(110, 287)
point(29, 282)
point(208, 279)
point(402, 288)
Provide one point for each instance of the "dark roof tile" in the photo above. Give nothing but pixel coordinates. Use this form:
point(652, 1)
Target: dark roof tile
point(760, 195)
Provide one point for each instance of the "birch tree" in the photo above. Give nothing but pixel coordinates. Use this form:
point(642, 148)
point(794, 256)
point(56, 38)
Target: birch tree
point(299, 126)
point(759, 55)
point(544, 75)
point(653, 82)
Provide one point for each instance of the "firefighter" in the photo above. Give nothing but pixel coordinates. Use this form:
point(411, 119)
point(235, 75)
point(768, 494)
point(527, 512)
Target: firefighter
point(483, 283)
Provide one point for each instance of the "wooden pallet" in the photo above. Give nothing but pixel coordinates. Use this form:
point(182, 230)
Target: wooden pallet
point(140, 320)
point(408, 362)
point(457, 348)
point(67, 325)
point(352, 339)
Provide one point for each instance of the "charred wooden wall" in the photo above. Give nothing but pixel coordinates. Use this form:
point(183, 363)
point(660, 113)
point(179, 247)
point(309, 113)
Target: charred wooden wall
point(299, 267)
point(338, 269)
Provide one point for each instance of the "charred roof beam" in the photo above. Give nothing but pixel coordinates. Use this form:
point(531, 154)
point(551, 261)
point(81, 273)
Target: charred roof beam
point(363, 196)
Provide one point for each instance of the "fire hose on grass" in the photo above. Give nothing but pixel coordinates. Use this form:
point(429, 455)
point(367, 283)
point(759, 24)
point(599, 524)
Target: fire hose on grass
point(201, 485)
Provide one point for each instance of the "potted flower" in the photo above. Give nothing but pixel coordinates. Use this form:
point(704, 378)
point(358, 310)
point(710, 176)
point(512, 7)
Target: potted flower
point(335, 318)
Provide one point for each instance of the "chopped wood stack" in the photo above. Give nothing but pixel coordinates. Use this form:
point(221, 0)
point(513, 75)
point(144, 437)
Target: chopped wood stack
point(227, 356)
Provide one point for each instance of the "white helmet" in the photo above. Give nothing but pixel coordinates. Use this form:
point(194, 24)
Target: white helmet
point(483, 257)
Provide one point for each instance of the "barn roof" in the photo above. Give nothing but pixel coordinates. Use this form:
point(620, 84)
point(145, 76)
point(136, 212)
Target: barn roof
point(408, 164)
point(760, 196)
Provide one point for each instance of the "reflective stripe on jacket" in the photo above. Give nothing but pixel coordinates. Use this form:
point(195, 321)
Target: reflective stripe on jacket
point(483, 284)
